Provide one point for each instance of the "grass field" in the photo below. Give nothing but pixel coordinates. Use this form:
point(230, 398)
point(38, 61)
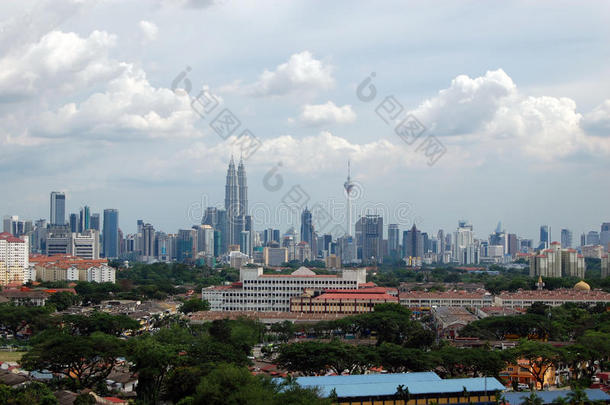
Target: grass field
point(10, 356)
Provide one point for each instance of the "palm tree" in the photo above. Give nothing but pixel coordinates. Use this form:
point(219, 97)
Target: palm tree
point(560, 401)
point(577, 396)
point(402, 392)
point(532, 399)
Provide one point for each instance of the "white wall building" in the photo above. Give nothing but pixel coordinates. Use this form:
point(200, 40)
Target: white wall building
point(14, 259)
point(272, 292)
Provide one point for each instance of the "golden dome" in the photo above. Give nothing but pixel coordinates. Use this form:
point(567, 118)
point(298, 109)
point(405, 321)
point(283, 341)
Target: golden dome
point(582, 286)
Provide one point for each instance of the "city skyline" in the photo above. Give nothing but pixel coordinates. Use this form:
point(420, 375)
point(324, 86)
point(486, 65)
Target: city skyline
point(520, 122)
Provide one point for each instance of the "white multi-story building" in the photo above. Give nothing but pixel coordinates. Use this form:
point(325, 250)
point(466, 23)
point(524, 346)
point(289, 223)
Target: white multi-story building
point(272, 292)
point(101, 274)
point(14, 259)
point(557, 262)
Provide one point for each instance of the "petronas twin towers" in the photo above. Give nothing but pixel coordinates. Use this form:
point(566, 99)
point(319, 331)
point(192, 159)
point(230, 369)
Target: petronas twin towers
point(236, 201)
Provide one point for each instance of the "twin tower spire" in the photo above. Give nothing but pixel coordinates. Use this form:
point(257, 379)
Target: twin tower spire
point(236, 190)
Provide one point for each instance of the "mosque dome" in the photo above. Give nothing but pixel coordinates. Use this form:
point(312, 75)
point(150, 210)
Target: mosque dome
point(582, 286)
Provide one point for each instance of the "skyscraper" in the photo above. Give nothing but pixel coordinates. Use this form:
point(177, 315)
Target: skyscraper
point(58, 208)
point(84, 219)
point(348, 186)
point(566, 238)
point(95, 222)
point(544, 237)
point(74, 223)
point(369, 237)
point(413, 243)
point(236, 202)
point(243, 188)
point(111, 233)
point(604, 236)
point(393, 240)
point(306, 227)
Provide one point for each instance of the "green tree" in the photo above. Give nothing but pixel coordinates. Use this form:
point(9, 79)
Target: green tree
point(194, 305)
point(541, 357)
point(86, 360)
point(63, 300)
point(532, 399)
point(16, 318)
point(153, 360)
point(577, 396)
point(33, 393)
point(99, 322)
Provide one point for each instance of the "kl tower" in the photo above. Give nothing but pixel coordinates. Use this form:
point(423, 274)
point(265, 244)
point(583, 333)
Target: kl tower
point(348, 185)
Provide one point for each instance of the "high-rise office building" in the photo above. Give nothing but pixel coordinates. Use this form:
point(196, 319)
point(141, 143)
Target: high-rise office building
point(463, 248)
point(513, 244)
point(369, 238)
point(593, 238)
point(148, 242)
point(110, 234)
point(393, 240)
point(74, 223)
point(242, 182)
point(604, 236)
point(84, 219)
point(236, 202)
point(95, 222)
point(306, 227)
point(566, 238)
point(58, 208)
point(413, 243)
point(545, 239)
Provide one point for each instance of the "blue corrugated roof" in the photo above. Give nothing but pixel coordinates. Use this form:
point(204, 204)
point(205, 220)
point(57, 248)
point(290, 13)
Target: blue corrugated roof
point(386, 384)
point(516, 398)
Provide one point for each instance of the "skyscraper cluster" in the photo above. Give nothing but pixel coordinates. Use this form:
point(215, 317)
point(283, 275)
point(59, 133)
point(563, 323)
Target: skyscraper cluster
point(226, 234)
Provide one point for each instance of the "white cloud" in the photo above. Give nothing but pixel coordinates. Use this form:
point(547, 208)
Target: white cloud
point(130, 108)
point(597, 122)
point(149, 30)
point(328, 113)
point(491, 107)
point(60, 60)
point(301, 74)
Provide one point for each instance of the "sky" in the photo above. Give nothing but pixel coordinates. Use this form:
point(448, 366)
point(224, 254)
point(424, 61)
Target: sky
point(476, 110)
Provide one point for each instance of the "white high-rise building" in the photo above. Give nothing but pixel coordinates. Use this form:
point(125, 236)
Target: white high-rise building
point(463, 247)
point(14, 259)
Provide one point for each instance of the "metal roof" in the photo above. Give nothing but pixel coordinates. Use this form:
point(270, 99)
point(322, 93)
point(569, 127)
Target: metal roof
point(516, 398)
point(386, 384)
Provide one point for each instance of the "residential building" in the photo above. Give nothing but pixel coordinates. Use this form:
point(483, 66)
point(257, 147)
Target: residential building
point(604, 266)
point(557, 262)
point(14, 259)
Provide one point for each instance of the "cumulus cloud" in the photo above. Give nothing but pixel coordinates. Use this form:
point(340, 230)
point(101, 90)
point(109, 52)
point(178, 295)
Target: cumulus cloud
point(59, 61)
point(328, 113)
point(130, 108)
point(302, 73)
point(149, 30)
point(597, 122)
point(491, 107)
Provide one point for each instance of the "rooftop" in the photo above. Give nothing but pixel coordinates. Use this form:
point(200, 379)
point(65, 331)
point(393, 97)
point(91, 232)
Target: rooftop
point(386, 384)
